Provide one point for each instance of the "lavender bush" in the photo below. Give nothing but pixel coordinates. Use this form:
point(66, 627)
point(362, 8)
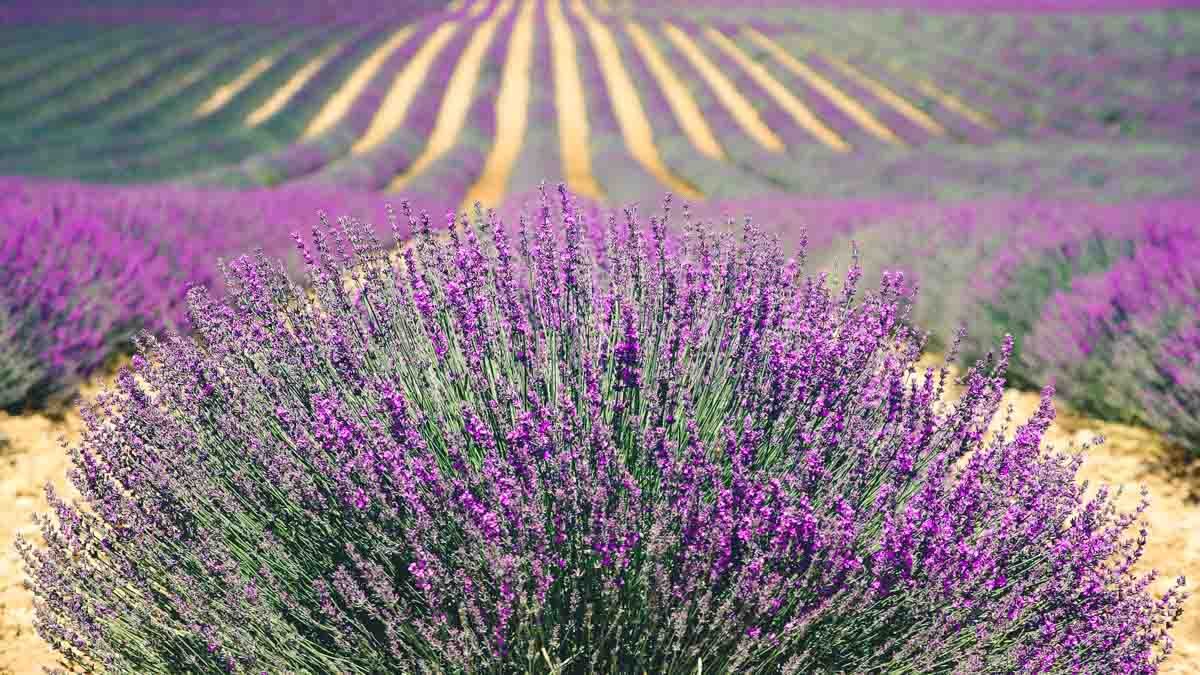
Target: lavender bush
point(84, 268)
point(470, 458)
point(72, 289)
point(1101, 299)
point(1124, 341)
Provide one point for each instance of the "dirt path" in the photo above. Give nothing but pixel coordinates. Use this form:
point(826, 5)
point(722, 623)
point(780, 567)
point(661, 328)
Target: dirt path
point(32, 456)
point(1127, 458)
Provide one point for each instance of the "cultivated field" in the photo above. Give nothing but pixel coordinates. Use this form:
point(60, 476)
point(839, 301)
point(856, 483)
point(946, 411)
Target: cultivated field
point(1031, 169)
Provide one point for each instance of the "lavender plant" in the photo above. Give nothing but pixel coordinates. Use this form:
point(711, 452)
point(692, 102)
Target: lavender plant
point(664, 453)
point(1124, 341)
point(72, 289)
point(84, 268)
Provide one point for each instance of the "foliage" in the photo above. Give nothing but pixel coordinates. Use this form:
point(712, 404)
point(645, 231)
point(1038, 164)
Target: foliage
point(467, 458)
point(84, 268)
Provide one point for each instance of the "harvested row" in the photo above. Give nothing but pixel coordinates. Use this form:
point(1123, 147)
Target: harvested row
point(619, 175)
point(512, 112)
point(540, 158)
point(261, 144)
point(585, 33)
point(411, 109)
point(347, 116)
point(627, 106)
point(573, 124)
point(683, 135)
point(119, 85)
point(456, 154)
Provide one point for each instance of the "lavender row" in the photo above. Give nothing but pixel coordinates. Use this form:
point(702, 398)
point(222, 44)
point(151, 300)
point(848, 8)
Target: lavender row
point(309, 156)
point(716, 178)
point(83, 268)
point(622, 178)
point(1125, 342)
point(374, 169)
point(298, 12)
point(1103, 298)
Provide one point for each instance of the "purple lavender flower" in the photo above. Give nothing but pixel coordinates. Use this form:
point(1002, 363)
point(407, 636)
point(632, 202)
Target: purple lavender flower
point(84, 268)
point(667, 449)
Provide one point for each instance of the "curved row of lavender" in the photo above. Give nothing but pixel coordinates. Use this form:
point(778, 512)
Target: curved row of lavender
point(948, 6)
point(83, 268)
point(296, 12)
point(1101, 299)
point(1058, 276)
point(488, 455)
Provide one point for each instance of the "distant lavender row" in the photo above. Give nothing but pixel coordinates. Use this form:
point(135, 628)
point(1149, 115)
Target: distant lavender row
point(1105, 299)
point(83, 268)
point(314, 12)
point(964, 6)
point(1125, 342)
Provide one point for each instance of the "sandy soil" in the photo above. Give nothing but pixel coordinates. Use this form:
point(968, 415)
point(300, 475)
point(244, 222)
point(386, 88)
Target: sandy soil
point(1129, 457)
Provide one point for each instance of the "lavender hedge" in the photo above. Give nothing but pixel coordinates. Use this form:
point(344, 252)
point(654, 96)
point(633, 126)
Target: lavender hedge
point(1100, 299)
point(481, 459)
point(84, 268)
point(1124, 341)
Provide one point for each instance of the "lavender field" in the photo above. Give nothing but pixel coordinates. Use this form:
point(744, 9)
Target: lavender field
point(836, 404)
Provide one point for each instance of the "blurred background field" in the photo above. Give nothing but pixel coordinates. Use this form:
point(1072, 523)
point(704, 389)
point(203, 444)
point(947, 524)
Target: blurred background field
point(1033, 167)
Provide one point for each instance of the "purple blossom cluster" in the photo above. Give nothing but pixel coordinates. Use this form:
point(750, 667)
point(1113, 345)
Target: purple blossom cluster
point(1100, 298)
point(519, 451)
point(84, 268)
point(1124, 341)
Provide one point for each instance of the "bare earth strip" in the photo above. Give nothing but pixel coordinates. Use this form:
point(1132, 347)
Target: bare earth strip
point(339, 104)
point(848, 105)
point(908, 110)
point(572, 107)
point(635, 128)
point(225, 93)
point(1125, 459)
point(295, 83)
point(786, 99)
point(457, 101)
point(737, 105)
point(949, 100)
point(512, 114)
point(478, 8)
point(35, 456)
point(404, 90)
point(687, 112)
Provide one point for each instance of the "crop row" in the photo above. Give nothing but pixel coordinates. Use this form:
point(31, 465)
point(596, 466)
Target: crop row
point(84, 268)
point(642, 98)
point(1102, 297)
